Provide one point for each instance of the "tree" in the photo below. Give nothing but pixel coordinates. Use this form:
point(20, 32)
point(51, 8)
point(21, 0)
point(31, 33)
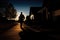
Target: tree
point(10, 11)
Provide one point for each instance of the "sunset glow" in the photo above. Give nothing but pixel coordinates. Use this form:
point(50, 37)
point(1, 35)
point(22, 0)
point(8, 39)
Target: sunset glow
point(18, 14)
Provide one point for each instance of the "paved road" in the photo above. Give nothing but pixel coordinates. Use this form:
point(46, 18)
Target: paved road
point(11, 34)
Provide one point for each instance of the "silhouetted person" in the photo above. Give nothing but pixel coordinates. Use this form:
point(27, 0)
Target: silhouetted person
point(21, 19)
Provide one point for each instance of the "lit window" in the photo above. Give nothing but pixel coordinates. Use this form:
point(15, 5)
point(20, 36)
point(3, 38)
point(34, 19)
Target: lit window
point(32, 17)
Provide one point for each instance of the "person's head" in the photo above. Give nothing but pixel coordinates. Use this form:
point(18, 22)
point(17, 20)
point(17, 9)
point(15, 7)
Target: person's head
point(21, 12)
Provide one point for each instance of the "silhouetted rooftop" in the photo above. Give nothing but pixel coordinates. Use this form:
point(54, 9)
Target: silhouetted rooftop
point(52, 4)
point(34, 9)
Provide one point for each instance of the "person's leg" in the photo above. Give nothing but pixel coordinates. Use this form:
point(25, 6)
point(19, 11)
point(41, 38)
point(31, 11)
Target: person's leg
point(21, 24)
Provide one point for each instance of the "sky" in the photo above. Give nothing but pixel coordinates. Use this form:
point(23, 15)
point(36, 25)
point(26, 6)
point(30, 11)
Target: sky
point(24, 5)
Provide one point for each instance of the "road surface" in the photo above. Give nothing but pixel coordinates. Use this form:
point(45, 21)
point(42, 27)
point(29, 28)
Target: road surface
point(11, 34)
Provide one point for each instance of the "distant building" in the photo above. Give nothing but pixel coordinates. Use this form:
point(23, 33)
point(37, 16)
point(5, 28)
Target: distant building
point(34, 10)
point(39, 14)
